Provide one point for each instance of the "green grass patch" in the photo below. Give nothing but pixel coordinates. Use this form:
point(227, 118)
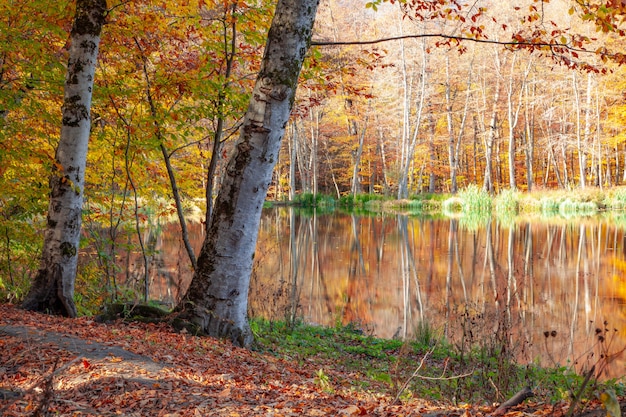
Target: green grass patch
point(427, 366)
point(310, 200)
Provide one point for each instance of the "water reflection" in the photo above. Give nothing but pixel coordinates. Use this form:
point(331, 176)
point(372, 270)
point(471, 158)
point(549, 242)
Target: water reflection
point(388, 274)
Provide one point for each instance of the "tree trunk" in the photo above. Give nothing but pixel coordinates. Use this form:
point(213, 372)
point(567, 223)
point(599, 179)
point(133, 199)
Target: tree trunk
point(216, 302)
point(529, 137)
point(230, 51)
point(411, 135)
point(488, 184)
point(513, 112)
point(356, 182)
point(53, 287)
point(454, 139)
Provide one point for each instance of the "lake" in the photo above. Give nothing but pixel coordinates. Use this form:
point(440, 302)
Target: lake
point(552, 289)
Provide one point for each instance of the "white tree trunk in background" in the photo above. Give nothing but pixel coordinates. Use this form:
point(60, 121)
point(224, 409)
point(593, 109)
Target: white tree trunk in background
point(53, 287)
point(216, 302)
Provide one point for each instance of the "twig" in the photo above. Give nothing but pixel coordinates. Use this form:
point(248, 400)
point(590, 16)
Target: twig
point(42, 380)
point(48, 390)
point(576, 399)
point(415, 374)
point(518, 398)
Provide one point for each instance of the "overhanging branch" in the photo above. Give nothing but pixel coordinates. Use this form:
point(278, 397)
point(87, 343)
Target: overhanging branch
point(451, 37)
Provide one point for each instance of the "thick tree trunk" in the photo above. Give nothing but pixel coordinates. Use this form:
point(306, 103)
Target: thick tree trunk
point(53, 287)
point(216, 302)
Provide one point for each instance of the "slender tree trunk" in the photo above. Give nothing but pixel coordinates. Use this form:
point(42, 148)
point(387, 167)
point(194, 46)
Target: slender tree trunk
point(383, 159)
point(582, 156)
point(329, 162)
point(513, 111)
point(356, 183)
point(454, 139)
point(491, 133)
point(432, 178)
point(293, 156)
point(53, 287)
point(216, 302)
point(167, 158)
point(452, 161)
point(230, 50)
point(529, 137)
point(410, 140)
point(301, 157)
point(315, 133)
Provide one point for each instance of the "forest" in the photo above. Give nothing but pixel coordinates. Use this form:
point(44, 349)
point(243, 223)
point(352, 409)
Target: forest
point(120, 116)
point(395, 98)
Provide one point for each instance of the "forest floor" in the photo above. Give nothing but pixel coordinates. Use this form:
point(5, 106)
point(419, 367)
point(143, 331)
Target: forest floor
point(77, 367)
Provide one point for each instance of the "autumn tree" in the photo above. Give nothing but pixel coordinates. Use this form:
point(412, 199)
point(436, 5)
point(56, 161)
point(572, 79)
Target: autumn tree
point(217, 299)
point(53, 287)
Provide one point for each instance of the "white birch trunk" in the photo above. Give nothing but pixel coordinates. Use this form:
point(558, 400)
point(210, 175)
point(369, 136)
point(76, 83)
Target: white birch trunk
point(216, 302)
point(410, 143)
point(488, 184)
point(53, 287)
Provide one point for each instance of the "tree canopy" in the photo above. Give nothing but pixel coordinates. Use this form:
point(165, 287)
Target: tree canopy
point(395, 98)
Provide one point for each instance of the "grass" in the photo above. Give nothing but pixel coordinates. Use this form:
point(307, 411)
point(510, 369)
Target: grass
point(427, 366)
point(475, 205)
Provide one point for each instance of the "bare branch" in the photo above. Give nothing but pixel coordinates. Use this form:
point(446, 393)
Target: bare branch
point(518, 398)
point(451, 37)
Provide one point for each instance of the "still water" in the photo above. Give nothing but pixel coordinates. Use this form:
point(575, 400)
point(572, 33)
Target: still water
point(553, 289)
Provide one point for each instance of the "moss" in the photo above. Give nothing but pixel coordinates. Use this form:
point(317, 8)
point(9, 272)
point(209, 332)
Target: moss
point(132, 312)
point(182, 325)
point(90, 16)
point(68, 250)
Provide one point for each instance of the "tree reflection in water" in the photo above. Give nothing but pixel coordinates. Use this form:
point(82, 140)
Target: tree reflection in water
point(391, 274)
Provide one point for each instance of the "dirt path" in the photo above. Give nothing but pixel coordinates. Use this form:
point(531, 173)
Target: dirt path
point(81, 367)
point(77, 364)
point(90, 350)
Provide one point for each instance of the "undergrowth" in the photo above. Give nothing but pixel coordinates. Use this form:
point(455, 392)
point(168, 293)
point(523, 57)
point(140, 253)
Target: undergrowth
point(426, 366)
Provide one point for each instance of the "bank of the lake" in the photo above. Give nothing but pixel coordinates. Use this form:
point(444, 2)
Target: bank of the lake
point(78, 366)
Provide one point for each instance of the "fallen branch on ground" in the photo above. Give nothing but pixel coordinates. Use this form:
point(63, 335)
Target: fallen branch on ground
point(518, 398)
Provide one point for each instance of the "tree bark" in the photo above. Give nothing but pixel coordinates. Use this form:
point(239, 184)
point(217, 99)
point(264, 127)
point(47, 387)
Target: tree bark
point(216, 302)
point(53, 287)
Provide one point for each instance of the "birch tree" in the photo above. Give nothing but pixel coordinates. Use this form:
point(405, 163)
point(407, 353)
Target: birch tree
point(216, 302)
point(488, 182)
point(53, 287)
point(411, 129)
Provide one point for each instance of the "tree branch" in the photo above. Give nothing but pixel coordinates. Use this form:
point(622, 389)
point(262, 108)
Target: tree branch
point(518, 398)
point(450, 37)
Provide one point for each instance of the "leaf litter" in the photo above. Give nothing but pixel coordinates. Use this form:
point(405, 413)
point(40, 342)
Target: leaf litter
point(77, 367)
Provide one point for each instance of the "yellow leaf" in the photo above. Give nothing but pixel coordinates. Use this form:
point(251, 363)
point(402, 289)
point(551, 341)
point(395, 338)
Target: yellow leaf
point(610, 403)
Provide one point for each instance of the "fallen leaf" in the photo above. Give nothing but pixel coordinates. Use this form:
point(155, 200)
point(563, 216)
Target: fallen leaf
point(351, 410)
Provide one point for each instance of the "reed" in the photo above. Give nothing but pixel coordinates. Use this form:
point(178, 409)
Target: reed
point(508, 202)
point(475, 199)
point(570, 208)
point(616, 198)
